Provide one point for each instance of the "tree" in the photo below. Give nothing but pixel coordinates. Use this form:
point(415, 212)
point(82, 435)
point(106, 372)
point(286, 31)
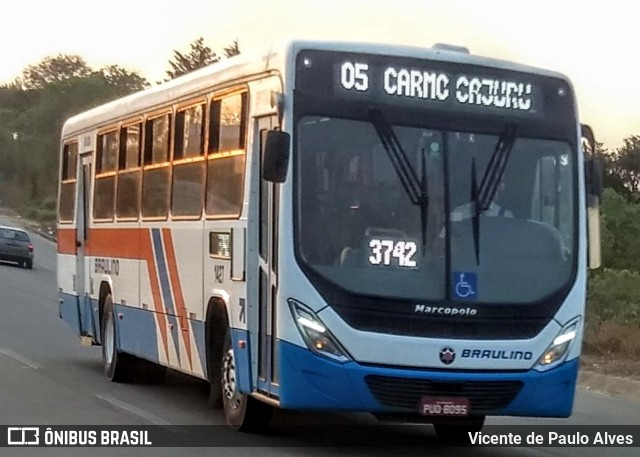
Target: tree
point(232, 50)
point(32, 111)
point(620, 232)
point(52, 69)
point(123, 81)
point(199, 57)
point(627, 166)
point(610, 177)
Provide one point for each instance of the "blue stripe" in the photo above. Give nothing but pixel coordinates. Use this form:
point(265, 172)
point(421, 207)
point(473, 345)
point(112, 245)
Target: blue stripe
point(165, 288)
point(162, 271)
point(68, 311)
point(137, 333)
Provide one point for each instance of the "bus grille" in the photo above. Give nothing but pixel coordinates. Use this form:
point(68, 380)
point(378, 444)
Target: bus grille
point(405, 393)
point(478, 329)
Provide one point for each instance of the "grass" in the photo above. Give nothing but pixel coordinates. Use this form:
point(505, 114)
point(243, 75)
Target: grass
point(612, 340)
point(612, 331)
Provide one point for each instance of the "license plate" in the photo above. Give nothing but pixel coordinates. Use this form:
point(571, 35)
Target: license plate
point(444, 406)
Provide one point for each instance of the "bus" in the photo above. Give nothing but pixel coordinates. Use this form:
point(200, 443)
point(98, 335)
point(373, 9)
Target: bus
point(335, 226)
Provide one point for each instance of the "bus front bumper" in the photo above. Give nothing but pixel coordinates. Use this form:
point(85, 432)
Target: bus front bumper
point(311, 382)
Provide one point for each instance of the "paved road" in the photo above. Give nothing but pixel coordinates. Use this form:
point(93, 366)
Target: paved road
point(47, 377)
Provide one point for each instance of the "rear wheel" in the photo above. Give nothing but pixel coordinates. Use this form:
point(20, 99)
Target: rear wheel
point(456, 430)
point(28, 264)
point(117, 366)
point(242, 412)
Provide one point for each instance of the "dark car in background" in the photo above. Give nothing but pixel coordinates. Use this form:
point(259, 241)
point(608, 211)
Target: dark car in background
point(15, 246)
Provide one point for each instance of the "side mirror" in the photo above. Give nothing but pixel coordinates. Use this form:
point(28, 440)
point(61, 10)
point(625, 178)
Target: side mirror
point(593, 177)
point(587, 134)
point(593, 232)
point(275, 157)
point(593, 185)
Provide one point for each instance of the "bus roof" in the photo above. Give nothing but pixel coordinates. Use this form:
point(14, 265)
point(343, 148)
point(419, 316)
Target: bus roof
point(233, 70)
point(437, 52)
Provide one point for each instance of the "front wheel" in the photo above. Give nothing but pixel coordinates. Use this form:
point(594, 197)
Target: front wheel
point(242, 412)
point(457, 430)
point(117, 366)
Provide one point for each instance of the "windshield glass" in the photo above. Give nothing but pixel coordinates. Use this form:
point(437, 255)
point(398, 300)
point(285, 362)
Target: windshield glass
point(359, 228)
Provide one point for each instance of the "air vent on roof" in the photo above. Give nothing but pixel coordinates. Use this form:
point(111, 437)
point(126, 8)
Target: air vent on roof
point(451, 48)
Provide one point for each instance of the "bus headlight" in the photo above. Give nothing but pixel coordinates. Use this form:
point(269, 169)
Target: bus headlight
point(318, 338)
point(559, 348)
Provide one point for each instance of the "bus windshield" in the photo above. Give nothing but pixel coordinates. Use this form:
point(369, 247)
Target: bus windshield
point(359, 228)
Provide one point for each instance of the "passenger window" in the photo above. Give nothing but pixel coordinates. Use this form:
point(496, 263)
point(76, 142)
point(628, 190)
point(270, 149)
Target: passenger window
point(189, 133)
point(157, 171)
point(105, 183)
point(226, 158)
point(67, 203)
point(107, 152)
point(130, 174)
point(187, 197)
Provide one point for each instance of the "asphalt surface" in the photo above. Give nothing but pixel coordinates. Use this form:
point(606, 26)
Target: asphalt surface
point(48, 378)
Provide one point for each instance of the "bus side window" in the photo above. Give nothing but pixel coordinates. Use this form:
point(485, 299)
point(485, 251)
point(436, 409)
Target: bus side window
point(187, 196)
point(157, 169)
point(129, 173)
point(68, 180)
point(226, 156)
point(105, 183)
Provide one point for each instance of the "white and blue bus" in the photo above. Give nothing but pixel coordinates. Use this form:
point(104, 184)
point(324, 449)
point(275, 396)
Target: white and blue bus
point(337, 227)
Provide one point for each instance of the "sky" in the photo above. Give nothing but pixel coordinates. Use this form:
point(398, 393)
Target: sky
point(592, 42)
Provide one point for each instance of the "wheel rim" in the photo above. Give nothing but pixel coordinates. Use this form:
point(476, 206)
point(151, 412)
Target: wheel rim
point(109, 339)
point(229, 385)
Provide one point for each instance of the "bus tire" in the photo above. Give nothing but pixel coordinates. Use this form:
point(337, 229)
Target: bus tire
point(118, 367)
point(456, 430)
point(242, 412)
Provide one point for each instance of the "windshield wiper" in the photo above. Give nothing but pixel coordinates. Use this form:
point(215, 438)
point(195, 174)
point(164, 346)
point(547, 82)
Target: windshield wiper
point(417, 189)
point(482, 197)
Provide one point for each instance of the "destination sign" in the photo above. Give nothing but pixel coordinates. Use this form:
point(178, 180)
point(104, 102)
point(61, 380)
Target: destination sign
point(464, 89)
point(432, 84)
point(438, 86)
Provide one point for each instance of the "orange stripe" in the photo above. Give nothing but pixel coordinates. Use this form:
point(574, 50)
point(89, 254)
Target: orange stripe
point(129, 243)
point(181, 309)
point(147, 254)
point(126, 243)
point(67, 241)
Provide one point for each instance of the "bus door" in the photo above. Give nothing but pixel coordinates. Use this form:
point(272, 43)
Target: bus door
point(82, 277)
point(267, 272)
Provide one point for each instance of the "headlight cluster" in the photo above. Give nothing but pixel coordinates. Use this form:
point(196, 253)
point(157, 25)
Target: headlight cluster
point(315, 333)
point(559, 348)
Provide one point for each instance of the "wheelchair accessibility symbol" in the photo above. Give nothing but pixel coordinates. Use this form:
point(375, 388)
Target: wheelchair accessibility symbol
point(465, 285)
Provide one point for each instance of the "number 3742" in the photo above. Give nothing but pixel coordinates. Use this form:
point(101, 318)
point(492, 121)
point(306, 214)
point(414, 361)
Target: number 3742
point(391, 252)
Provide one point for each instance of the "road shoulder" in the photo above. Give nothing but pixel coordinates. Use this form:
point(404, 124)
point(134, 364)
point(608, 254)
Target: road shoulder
point(608, 384)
